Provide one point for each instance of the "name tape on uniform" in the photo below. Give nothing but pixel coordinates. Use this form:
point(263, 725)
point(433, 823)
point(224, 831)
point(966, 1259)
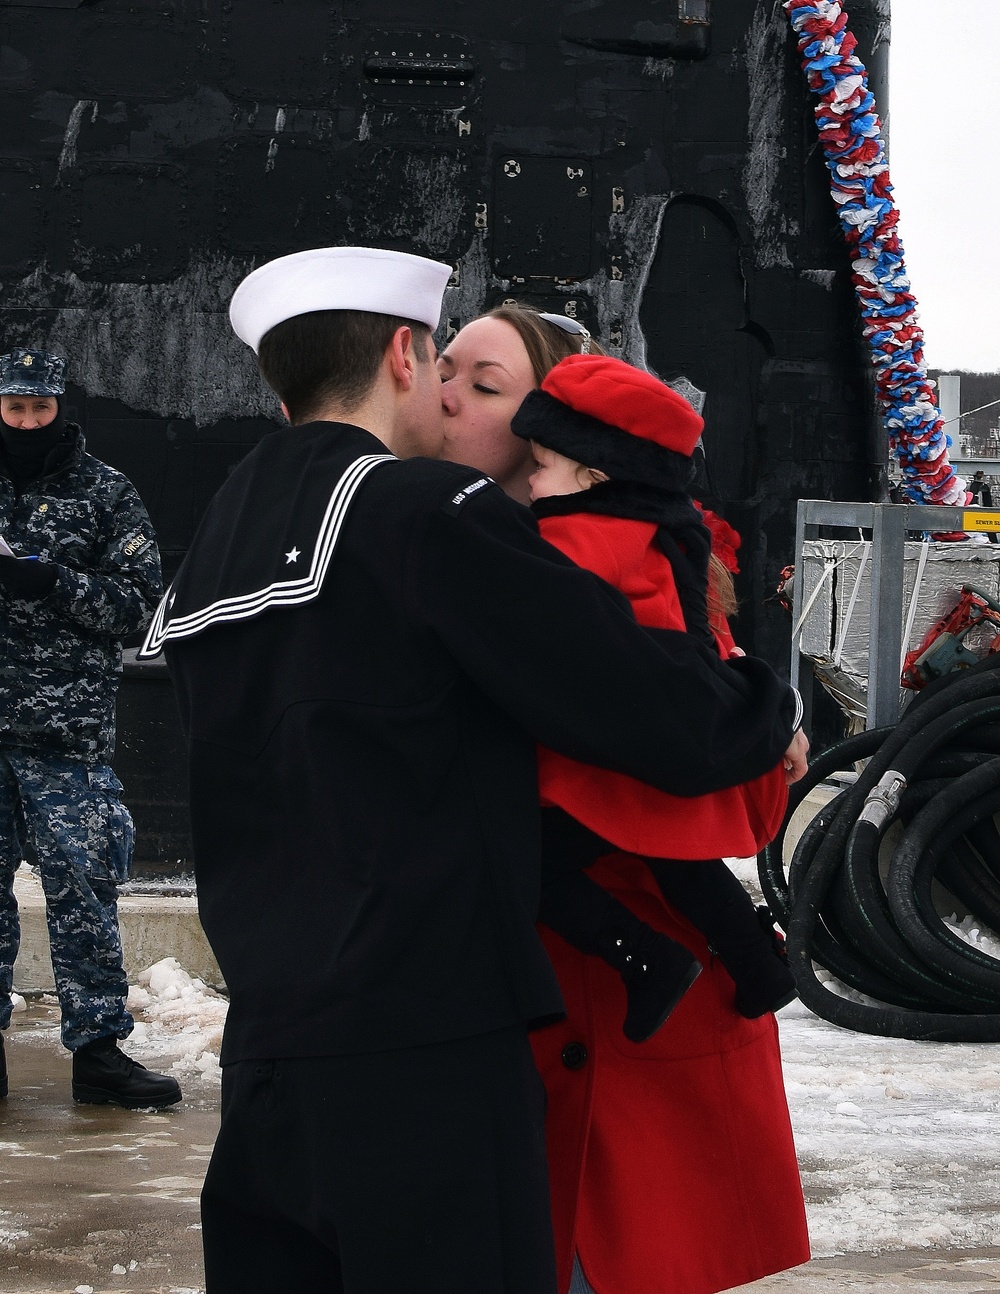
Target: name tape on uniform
point(458, 501)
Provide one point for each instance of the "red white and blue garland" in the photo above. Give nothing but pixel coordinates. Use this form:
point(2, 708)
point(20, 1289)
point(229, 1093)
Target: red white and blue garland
point(850, 132)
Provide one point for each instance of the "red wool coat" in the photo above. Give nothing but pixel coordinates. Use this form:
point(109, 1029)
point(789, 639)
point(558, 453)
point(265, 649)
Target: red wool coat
point(735, 823)
point(672, 1166)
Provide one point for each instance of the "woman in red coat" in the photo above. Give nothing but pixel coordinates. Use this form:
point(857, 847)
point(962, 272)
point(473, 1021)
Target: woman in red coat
point(672, 1164)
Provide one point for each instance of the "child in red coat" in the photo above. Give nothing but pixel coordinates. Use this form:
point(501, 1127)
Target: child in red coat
point(613, 449)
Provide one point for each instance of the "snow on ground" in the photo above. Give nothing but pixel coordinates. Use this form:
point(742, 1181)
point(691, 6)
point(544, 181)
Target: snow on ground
point(898, 1141)
point(178, 1024)
point(10, 1233)
point(175, 1013)
point(967, 928)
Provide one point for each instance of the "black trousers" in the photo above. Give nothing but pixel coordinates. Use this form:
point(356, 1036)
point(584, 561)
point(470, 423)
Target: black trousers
point(403, 1172)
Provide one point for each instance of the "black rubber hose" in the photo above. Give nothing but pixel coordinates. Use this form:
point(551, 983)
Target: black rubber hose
point(914, 864)
point(986, 839)
point(840, 756)
point(858, 899)
point(963, 872)
point(831, 949)
point(874, 931)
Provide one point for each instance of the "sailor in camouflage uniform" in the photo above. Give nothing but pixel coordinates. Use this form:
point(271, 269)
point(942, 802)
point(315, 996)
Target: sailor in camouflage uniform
point(79, 570)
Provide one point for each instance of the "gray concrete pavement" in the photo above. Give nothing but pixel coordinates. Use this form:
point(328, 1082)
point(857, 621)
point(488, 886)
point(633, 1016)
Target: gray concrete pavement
point(910, 1272)
point(94, 1196)
point(105, 1201)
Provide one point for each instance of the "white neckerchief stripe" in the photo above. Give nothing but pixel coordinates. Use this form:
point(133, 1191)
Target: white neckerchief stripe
point(280, 593)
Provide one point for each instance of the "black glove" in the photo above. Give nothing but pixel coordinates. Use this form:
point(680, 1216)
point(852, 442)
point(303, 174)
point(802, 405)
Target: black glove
point(22, 578)
point(766, 919)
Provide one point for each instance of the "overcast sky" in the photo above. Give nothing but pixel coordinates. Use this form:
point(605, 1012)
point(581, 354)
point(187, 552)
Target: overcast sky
point(944, 124)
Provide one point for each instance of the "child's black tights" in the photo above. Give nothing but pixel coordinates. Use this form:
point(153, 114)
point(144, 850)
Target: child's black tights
point(658, 971)
point(711, 898)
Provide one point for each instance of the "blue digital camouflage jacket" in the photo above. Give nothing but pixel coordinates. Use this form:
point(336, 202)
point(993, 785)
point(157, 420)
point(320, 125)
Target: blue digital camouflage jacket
point(60, 656)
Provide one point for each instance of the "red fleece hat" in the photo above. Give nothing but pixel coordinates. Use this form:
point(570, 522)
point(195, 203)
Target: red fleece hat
point(614, 392)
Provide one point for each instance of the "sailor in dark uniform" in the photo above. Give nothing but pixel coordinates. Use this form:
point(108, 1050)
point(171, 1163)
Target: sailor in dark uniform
point(366, 645)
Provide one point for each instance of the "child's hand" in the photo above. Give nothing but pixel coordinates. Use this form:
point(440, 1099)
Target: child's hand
point(796, 763)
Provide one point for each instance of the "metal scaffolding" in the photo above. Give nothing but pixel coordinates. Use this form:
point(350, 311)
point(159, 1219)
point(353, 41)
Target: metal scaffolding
point(889, 525)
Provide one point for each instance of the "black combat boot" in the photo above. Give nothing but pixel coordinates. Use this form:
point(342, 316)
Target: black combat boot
point(103, 1075)
point(3, 1070)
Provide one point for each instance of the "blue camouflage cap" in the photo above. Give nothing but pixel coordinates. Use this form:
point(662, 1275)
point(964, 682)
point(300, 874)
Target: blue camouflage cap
point(32, 372)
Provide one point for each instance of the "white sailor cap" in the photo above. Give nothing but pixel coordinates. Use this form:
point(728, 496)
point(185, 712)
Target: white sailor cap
point(338, 278)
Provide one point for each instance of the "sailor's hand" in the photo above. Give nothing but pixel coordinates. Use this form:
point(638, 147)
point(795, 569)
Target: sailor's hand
point(795, 757)
point(27, 577)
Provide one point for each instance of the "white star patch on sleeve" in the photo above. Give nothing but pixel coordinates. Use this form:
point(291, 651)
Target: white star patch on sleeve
point(293, 556)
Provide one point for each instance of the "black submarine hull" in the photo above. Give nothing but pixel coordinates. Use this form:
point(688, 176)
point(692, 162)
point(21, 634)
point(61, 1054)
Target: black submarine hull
point(650, 166)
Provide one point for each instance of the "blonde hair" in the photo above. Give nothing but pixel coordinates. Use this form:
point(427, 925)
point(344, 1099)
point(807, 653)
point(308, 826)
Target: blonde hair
point(720, 597)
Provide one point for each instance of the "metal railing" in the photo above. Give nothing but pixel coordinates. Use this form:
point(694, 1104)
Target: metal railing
point(889, 524)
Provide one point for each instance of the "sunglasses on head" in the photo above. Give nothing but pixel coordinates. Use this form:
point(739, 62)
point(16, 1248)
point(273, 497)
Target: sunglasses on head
point(572, 326)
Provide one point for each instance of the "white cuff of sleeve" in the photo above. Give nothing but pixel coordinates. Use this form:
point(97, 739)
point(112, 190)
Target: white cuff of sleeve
point(799, 710)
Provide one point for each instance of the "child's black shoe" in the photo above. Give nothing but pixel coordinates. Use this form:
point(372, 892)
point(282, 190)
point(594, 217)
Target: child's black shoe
point(743, 939)
point(768, 987)
point(657, 972)
point(754, 956)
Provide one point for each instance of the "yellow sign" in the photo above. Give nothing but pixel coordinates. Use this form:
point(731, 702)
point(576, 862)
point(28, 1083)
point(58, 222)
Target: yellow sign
point(981, 520)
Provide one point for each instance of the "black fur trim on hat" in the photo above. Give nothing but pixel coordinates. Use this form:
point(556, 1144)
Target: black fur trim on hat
point(681, 535)
point(624, 499)
point(593, 443)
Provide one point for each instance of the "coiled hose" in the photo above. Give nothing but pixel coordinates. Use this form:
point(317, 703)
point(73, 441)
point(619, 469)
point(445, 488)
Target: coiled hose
point(874, 926)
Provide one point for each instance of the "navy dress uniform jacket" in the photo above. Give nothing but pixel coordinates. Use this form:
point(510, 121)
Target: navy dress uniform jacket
point(363, 685)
